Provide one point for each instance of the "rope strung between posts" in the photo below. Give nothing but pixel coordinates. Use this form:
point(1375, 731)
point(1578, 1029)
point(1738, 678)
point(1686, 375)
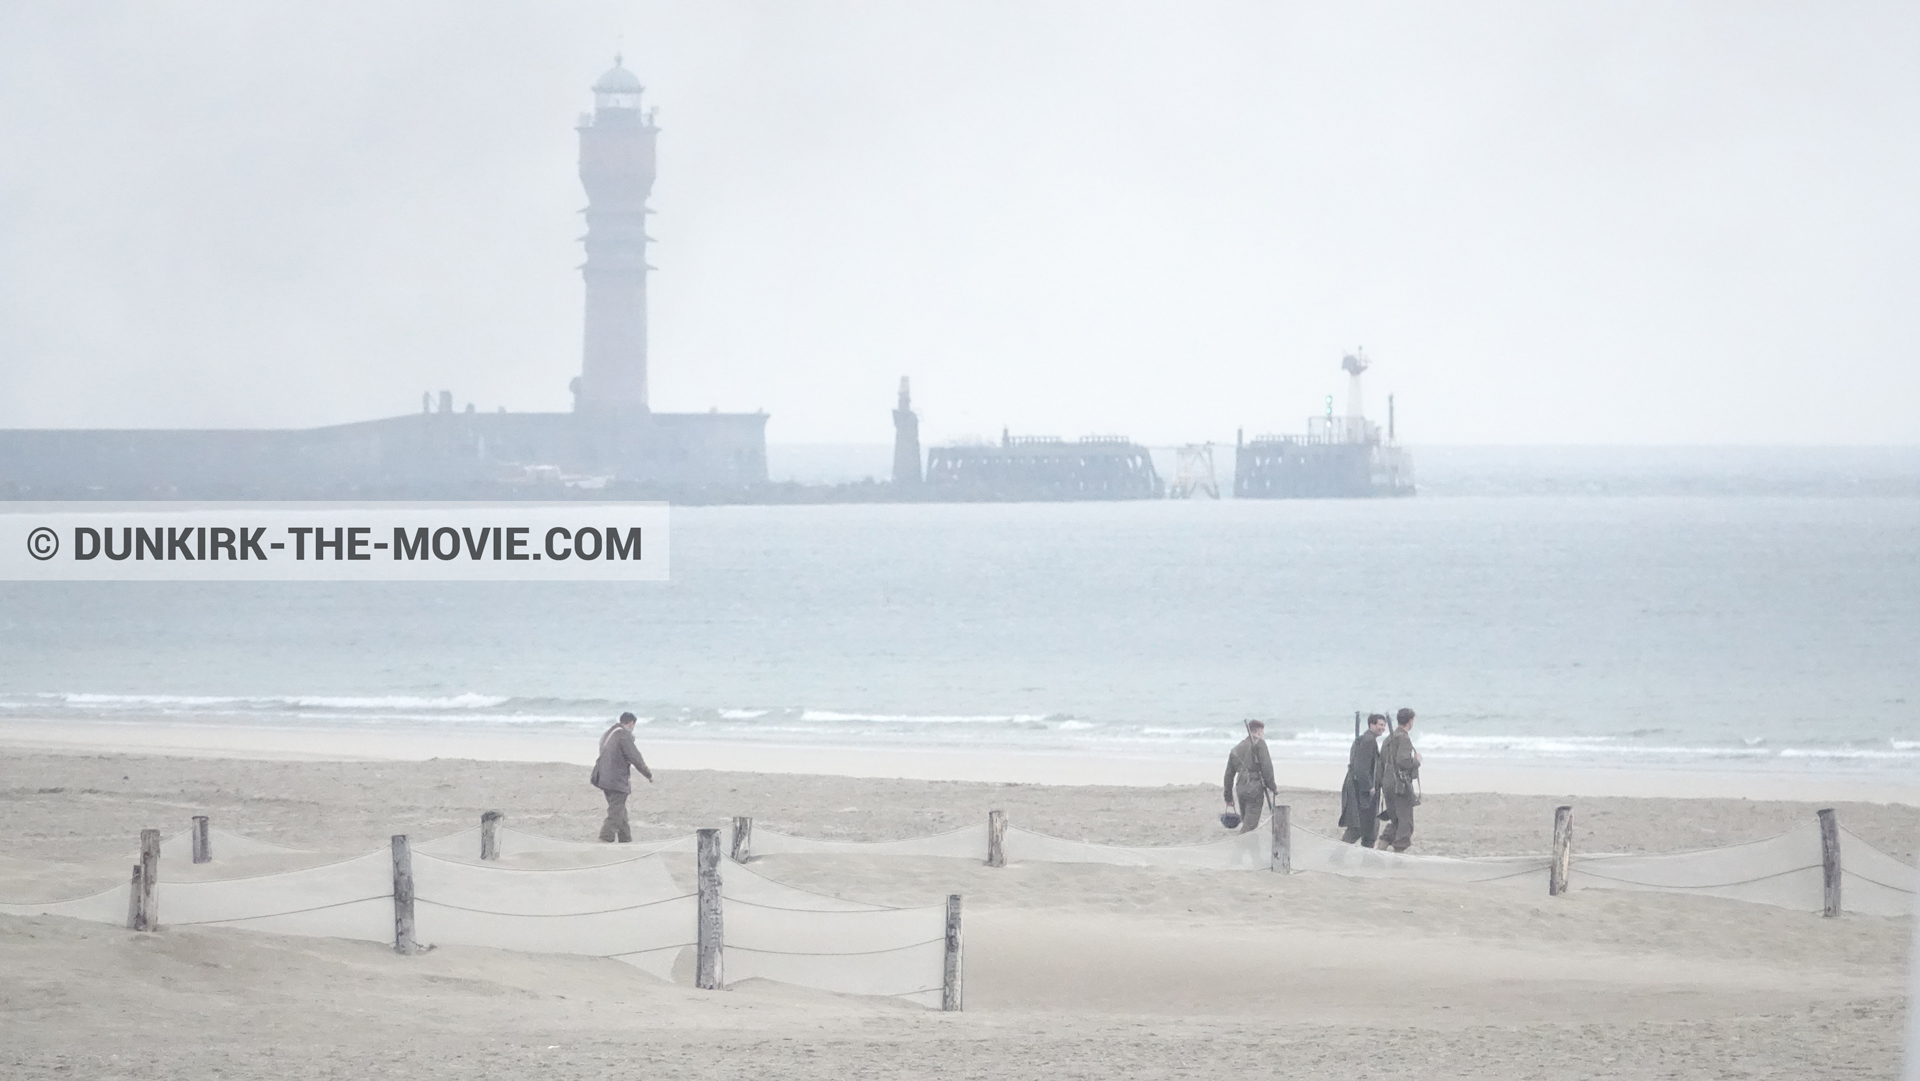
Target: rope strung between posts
point(277, 874)
point(1119, 848)
point(1513, 874)
point(291, 912)
point(491, 866)
point(1857, 839)
point(1702, 886)
point(1707, 850)
point(1875, 881)
point(654, 844)
point(848, 953)
point(849, 841)
point(651, 949)
point(837, 911)
point(549, 915)
point(216, 831)
point(811, 893)
point(65, 900)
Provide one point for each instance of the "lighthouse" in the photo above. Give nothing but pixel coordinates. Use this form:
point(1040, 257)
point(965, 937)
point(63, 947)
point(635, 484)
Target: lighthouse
point(612, 436)
point(616, 168)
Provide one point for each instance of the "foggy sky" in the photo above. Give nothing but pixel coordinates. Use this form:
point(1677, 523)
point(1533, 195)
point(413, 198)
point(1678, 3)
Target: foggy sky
point(1609, 223)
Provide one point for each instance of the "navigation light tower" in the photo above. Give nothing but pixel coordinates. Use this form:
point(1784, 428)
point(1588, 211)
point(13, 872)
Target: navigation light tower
point(616, 168)
point(1353, 364)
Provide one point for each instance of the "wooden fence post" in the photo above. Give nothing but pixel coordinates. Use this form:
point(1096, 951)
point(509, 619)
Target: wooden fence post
point(1829, 862)
point(202, 841)
point(402, 895)
point(1562, 851)
point(950, 976)
point(710, 933)
point(1282, 858)
point(490, 835)
point(149, 880)
point(133, 898)
point(996, 838)
point(742, 849)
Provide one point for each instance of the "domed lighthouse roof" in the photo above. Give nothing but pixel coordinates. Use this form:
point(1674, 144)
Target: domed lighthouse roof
point(618, 88)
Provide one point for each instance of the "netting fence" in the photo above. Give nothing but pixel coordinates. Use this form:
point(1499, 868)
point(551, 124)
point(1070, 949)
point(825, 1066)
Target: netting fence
point(678, 911)
point(638, 904)
point(1790, 870)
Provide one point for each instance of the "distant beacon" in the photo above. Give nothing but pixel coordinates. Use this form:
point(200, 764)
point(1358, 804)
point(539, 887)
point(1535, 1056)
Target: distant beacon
point(616, 168)
point(611, 443)
point(1338, 457)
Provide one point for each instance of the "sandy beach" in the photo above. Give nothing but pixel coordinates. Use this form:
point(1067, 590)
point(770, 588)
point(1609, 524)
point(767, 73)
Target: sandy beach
point(1072, 970)
point(941, 434)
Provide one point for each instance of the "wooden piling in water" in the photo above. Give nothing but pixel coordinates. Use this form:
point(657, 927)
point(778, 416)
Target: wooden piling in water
point(490, 835)
point(710, 934)
point(402, 895)
point(742, 848)
point(1562, 865)
point(996, 838)
point(950, 988)
point(1281, 861)
point(1829, 862)
point(202, 840)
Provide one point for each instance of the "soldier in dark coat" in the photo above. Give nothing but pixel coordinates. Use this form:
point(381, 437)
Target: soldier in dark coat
point(610, 776)
point(1360, 795)
point(1250, 776)
point(1399, 769)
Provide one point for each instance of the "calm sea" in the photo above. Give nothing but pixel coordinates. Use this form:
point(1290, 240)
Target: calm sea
point(1717, 629)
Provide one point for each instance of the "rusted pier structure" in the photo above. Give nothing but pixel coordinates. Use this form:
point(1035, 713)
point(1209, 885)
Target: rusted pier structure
point(1025, 468)
point(1338, 457)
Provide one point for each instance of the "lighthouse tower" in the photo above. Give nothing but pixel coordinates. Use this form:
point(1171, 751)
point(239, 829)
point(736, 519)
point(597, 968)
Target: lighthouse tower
point(616, 168)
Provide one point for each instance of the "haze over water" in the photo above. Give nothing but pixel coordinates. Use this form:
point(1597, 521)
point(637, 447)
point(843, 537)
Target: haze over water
point(1673, 631)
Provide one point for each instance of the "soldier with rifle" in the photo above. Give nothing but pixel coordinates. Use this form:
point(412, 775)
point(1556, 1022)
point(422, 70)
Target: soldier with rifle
point(1399, 774)
point(1249, 779)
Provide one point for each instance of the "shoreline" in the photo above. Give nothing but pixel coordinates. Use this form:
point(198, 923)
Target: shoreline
point(166, 737)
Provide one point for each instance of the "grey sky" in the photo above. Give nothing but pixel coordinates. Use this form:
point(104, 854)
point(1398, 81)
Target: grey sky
point(1605, 223)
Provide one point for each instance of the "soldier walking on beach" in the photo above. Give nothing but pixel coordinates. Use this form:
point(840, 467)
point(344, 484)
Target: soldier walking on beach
point(1360, 795)
point(617, 752)
point(1399, 768)
point(1250, 775)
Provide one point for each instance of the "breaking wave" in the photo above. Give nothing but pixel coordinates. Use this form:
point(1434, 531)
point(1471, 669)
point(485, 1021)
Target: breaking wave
point(1440, 738)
